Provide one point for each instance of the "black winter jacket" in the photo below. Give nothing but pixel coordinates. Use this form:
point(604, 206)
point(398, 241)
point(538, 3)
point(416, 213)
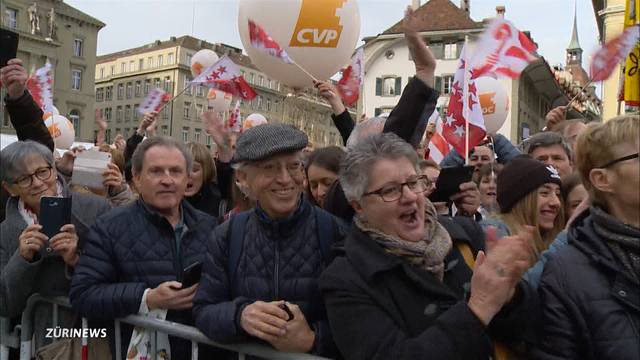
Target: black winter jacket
point(590, 310)
point(380, 307)
point(280, 260)
point(26, 118)
point(128, 250)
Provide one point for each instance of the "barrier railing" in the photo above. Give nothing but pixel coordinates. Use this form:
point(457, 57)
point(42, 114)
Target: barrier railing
point(9, 337)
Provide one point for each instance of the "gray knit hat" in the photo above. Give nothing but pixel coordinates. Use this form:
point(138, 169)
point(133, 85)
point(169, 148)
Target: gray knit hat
point(266, 140)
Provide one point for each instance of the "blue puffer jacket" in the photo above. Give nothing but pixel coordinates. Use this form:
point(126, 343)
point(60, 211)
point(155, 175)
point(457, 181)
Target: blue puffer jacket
point(131, 249)
point(280, 260)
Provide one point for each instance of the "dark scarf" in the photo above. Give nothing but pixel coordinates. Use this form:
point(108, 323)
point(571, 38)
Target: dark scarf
point(428, 254)
point(623, 239)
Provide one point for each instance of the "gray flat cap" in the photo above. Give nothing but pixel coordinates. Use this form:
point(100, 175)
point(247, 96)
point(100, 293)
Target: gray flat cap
point(266, 140)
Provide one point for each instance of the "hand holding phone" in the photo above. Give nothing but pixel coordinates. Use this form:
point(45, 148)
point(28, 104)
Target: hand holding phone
point(55, 212)
point(449, 181)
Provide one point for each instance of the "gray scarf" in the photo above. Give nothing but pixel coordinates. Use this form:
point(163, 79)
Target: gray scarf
point(428, 254)
point(623, 239)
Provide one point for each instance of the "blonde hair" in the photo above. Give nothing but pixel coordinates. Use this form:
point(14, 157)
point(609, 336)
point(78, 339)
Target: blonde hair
point(596, 144)
point(525, 212)
point(202, 156)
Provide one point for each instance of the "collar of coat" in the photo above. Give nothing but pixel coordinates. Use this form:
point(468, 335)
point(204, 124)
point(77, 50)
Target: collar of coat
point(191, 216)
point(286, 225)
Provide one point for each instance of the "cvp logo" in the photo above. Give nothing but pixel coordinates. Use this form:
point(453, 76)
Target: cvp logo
point(488, 103)
point(318, 24)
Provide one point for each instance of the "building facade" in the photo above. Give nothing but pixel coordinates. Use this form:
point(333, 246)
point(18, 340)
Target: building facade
point(52, 31)
point(123, 79)
point(388, 67)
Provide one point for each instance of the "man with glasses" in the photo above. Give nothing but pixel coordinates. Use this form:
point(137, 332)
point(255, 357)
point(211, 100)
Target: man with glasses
point(260, 278)
point(134, 257)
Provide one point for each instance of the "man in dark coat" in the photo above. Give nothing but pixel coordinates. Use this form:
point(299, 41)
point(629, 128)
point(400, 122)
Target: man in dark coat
point(134, 257)
point(260, 278)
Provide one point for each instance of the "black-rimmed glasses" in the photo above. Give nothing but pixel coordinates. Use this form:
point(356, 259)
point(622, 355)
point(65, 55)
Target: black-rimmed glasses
point(393, 192)
point(624, 158)
point(43, 173)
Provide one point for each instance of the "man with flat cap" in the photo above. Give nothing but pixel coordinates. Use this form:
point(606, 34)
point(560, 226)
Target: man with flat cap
point(260, 277)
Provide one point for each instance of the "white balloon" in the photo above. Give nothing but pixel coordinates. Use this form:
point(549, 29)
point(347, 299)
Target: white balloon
point(253, 120)
point(219, 100)
point(202, 60)
point(61, 131)
point(318, 35)
point(46, 115)
point(494, 101)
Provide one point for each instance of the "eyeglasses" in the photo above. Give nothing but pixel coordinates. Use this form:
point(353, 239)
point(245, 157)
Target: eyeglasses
point(624, 158)
point(43, 173)
point(273, 169)
point(393, 192)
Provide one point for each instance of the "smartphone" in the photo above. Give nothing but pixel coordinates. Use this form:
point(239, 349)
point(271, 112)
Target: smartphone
point(88, 168)
point(449, 181)
point(8, 46)
point(191, 275)
point(55, 212)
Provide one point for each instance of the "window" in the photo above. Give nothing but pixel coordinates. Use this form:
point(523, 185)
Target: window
point(119, 114)
point(260, 80)
point(99, 94)
point(127, 112)
point(156, 83)
point(199, 109)
point(189, 59)
point(113, 70)
point(200, 90)
point(132, 66)
point(268, 105)
point(187, 107)
point(167, 84)
point(147, 86)
point(140, 64)
point(208, 140)
point(135, 111)
point(165, 131)
point(160, 60)
point(388, 86)
point(77, 47)
point(123, 68)
point(196, 136)
point(101, 72)
point(11, 18)
point(185, 135)
point(108, 93)
point(138, 88)
point(447, 82)
point(170, 59)
point(450, 51)
point(74, 117)
point(250, 78)
point(270, 82)
point(107, 114)
point(76, 79)
point(149, 62)
point(165, 112)
point(259, 103)
point(187, 80)
point(129, 90)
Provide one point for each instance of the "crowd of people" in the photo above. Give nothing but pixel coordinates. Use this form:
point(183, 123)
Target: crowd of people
point(337, 252)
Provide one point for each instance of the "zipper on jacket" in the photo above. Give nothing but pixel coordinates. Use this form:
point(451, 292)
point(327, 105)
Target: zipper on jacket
point(276, 275)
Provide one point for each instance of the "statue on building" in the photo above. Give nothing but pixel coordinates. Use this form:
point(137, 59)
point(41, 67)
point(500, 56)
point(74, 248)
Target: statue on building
point(52, 23)
point(34, 18)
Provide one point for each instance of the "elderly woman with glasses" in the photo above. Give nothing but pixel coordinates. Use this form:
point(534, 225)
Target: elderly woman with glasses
point(403, 289)
point(30, 261)
point(590, 288)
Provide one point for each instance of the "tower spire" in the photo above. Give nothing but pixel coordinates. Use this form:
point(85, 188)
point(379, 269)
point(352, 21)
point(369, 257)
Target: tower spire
point(575, 43)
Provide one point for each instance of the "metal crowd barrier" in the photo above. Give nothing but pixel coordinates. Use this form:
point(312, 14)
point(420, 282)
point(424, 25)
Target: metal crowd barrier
point(9, 338)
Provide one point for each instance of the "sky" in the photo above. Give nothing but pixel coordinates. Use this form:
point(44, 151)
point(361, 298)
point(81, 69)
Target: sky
point(132, 23)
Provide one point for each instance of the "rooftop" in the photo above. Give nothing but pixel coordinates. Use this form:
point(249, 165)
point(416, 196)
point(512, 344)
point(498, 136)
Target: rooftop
point(439, 15)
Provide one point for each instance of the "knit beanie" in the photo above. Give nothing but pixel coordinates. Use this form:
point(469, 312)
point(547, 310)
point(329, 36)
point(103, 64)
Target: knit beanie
point(521, 176)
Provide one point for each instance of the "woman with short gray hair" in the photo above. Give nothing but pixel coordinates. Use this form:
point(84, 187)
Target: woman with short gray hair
point(30, 261)
point(400, 290)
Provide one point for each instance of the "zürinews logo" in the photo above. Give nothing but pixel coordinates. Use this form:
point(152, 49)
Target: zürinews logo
point(318, 24)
